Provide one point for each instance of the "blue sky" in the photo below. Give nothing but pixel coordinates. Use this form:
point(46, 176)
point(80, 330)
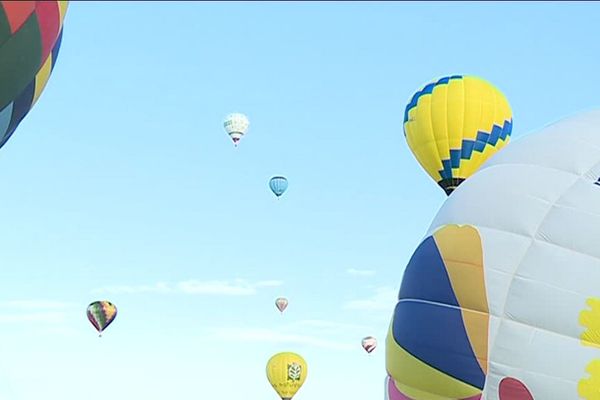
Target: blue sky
point(121, 184)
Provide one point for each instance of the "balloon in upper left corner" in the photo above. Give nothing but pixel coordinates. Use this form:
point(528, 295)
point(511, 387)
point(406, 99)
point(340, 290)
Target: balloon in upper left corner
point(30, 37)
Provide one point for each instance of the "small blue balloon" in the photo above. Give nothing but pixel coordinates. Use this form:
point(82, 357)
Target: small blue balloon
point(278, 185)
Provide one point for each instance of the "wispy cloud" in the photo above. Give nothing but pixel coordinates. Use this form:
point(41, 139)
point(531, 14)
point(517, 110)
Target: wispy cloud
point(329, 326)
point(50, 316)
point(238, 287)
point(326, 334)
point(360, 272)
point(384, 299)
point(34, 304)
point(274, 336)
point(159, 287)
point(45, 311)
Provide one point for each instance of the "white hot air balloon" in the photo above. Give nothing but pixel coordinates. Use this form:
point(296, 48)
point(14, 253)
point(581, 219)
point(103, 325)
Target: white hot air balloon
point(281, 303)
point(236, 126)
point(369, 344)
point(501, 299)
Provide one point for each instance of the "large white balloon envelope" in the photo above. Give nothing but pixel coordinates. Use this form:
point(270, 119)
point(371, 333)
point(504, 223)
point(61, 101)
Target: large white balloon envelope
point(501, 300)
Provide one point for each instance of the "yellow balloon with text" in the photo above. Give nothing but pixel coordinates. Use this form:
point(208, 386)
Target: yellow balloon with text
point(286, 372)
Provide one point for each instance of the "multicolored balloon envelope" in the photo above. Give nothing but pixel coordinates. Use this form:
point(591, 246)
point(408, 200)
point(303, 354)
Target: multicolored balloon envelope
point(391, 391)
point(30, 37)
point(286, 372)
point(455, 124)
point(101, 314)
point(501, 300)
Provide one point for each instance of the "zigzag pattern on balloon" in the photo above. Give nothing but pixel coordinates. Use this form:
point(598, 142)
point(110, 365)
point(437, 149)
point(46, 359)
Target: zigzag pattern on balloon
point(454, 125)
point(427, 89)
point(469, 146)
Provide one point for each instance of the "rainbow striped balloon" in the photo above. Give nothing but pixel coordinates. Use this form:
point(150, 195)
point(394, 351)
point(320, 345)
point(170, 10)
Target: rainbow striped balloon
point(101, 314)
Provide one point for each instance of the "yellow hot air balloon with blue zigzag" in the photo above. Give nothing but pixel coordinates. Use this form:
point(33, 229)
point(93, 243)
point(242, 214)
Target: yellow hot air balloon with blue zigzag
point(453, 125)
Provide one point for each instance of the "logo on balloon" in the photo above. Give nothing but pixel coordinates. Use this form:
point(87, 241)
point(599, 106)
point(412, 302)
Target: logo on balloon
point(294, 372)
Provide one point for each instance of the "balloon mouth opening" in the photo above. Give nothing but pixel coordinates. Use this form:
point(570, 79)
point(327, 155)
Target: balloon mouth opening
point(450, 184)
point(235, 137)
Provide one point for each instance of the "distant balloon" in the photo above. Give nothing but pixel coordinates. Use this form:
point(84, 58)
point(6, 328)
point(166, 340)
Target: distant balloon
point(30, 38)
point(236, 125)
point(101, 314)
point(281, 303)
point(454, 125)
point(278, 185)
point(286, 372)
point(369, 344)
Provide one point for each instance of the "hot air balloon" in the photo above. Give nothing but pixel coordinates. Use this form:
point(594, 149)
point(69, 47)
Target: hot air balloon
point(30, 37)
point(501, 299)
point(286, 372)
point(101, 314)
point(369, 343)
point(236, 125)
point(281, 303)
point(391, 392)
point(454, 125)
point(278, 185)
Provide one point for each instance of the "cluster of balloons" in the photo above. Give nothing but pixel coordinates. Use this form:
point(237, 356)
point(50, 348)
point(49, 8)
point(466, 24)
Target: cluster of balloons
point(286, 371)
point(435, 349)
point(501, 299)
point(236, 125)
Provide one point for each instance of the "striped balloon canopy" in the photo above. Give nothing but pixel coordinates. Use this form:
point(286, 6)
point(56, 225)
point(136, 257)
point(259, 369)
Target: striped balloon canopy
point(369, 343)
point(281, 303)
point(101, 314)
point(278, 185)
point(455, 124)
point(30, 38)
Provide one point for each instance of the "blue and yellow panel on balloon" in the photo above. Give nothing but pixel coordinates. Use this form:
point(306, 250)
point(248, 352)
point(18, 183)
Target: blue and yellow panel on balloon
point(437, 346)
